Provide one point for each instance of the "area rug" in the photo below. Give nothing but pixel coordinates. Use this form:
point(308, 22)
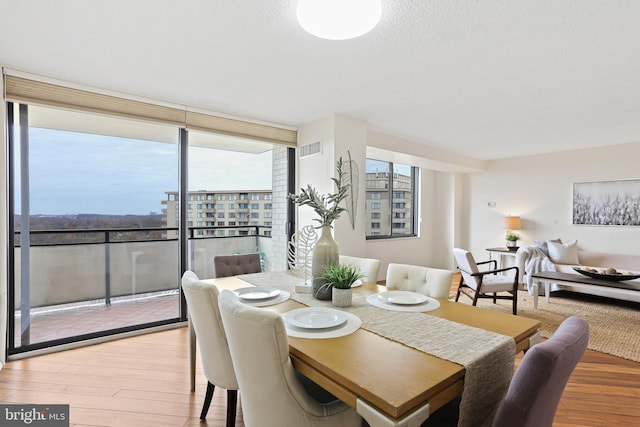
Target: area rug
point(614, 326)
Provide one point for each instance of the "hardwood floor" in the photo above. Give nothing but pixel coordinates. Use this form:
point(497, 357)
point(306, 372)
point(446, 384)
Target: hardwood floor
point(143, 381)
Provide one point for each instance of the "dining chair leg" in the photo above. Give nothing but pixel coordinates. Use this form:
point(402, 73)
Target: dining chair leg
point(207, 400)
point(232, 404)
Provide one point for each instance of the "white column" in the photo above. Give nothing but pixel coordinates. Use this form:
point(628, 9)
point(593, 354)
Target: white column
point(339, 136)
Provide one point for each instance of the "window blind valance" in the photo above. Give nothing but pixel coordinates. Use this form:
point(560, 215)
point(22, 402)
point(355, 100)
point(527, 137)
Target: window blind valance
point(26, 90)
point(31, 91)
point(210, 123)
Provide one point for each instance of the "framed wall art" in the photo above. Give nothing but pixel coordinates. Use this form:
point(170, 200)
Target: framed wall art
point(607, 203)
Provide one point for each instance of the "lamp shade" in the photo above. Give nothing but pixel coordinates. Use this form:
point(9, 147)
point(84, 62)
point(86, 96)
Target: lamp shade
point(512, 223)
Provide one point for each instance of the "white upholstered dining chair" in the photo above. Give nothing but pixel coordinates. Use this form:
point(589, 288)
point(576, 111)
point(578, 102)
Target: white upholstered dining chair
point(204, 315)
point(433, 282)
point(272, 395)
point(476, 283)
point(369, 267)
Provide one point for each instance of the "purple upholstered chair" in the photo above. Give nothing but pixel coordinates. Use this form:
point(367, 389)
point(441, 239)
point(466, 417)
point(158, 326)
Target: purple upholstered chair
point(539, 381)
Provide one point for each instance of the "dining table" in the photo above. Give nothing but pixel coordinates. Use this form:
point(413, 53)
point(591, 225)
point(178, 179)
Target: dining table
point(397, 374)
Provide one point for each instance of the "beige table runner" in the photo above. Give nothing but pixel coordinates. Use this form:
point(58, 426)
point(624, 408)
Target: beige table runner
point(488, 357)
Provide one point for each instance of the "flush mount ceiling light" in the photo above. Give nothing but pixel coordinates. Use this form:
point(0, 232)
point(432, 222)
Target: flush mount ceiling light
point(339, 19)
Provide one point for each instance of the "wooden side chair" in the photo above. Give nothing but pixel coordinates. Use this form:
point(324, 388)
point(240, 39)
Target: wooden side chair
point(475, 283)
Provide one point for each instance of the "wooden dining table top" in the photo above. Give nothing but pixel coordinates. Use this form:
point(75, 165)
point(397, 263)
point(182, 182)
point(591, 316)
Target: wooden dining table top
point(394, 378)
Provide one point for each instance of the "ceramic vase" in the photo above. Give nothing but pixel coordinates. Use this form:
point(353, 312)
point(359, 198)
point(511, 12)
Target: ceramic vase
point(341, 297)
point(325, 252)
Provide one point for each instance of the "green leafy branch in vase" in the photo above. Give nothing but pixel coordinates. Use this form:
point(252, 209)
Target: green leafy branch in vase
point(327, 206)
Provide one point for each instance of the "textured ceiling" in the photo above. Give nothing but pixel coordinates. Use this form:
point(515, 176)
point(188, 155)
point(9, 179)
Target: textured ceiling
point(487, 79)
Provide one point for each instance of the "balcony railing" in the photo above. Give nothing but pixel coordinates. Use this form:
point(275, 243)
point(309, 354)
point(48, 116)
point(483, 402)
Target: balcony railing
point(68, 266)
point(78, 274)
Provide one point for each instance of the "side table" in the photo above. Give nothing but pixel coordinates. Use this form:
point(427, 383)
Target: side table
point(499, 254)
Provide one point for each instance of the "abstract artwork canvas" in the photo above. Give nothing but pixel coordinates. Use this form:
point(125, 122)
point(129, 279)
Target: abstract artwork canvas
point(607, 203)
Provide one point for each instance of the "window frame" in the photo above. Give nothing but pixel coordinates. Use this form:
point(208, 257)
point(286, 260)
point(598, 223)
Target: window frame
point(390, 190)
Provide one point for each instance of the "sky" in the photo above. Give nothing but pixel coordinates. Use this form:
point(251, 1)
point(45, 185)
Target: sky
point(73, 173)
point(380, 166)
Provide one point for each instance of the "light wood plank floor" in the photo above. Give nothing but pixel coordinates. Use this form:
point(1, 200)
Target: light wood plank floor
point(143, 381)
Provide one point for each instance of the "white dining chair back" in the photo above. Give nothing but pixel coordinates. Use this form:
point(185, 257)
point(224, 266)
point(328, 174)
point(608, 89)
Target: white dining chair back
point(272, 395)
point(202, 303)
point(433, 282)
point(369, 267)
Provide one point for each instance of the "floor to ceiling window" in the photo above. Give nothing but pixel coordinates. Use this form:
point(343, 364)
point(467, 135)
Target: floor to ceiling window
point(88, 224)
point(229, 204)
point(112, 199)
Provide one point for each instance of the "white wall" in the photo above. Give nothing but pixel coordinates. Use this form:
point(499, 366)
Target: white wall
point(440, 201)
point(351, 138)
point(540, 189)
point(339, 136)
point(316, 169)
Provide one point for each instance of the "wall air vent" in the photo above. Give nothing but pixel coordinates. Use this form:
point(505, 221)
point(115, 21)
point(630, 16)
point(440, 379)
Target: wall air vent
point(310, 149)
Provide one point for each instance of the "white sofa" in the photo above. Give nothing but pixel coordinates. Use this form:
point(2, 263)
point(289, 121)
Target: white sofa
point(621, 262)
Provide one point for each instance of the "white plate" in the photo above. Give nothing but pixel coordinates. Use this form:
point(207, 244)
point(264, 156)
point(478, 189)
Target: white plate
point(257, 293)
point(315, 317)
point(357, 283)
point(402, 297)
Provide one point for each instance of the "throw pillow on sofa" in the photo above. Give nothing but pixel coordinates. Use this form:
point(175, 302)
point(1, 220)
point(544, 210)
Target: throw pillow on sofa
point(542, 245)
point(563, 253)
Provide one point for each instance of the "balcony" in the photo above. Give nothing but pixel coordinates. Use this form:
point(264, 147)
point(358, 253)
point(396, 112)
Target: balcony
point(81, 283)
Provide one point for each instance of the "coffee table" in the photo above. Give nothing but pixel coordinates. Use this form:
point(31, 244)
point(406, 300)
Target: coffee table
point(630, 289)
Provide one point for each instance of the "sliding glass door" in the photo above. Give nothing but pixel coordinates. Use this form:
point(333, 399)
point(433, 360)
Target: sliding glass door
point(92, 253)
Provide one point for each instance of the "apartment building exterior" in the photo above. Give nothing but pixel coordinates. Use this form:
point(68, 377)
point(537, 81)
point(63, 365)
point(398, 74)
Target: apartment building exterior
point(389, 212)
point(238, 213)
point(241, 213)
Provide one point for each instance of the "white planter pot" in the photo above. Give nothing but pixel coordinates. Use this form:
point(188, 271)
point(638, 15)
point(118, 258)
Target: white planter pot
point(512, 245)
point(341, 297)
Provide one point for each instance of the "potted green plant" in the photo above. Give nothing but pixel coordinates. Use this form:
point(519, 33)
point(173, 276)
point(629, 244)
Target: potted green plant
point(340, 277)
point(328, 208)
point(512, 240)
